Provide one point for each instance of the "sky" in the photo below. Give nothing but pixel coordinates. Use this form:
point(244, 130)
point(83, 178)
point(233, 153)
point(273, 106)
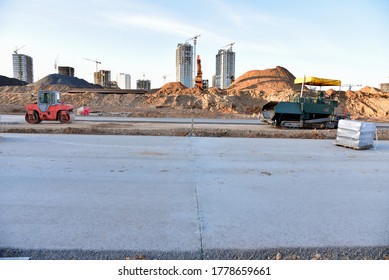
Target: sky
point(343, 39)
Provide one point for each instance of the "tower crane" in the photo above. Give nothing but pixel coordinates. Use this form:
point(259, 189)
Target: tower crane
point(20, 62)
point(164, 78)
point(17, 49)
point(229, 46)
point(56, 62)
point(350, 86)
point(97, 62)
point(194, 53)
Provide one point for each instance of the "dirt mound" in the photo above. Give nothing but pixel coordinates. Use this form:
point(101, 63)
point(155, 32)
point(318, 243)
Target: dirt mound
point(213, 100)
point(174, 95)
point(57, 79)
point(171, 88)
point(369, 102)
point(371, 90)
point(5, 81)
point(269, 80)
point(31, 88)
point(246, 95)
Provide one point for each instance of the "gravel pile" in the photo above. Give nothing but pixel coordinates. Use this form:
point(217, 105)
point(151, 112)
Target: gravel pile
point(5, 81)
point(74, 82)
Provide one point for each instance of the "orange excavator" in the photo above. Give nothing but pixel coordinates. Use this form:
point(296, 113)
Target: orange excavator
point(199, 77)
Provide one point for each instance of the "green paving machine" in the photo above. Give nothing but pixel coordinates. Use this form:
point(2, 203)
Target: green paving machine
point(305, 111)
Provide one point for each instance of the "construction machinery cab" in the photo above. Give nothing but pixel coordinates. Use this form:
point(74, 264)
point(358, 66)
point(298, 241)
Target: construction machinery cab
point(48, 98)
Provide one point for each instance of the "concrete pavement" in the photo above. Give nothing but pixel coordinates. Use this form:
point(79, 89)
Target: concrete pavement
point(19, 119)
point(189, 197)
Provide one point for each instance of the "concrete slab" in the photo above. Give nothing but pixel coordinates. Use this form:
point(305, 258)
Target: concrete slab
point(100, 193)
point(189, 194)
point(271, 193)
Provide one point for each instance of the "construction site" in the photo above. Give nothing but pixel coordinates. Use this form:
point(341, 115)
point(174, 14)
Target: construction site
point(217, 183)
point(243, 99)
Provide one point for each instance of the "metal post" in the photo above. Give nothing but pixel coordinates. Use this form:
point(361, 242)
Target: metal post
point(302, 87)
point(194, 61)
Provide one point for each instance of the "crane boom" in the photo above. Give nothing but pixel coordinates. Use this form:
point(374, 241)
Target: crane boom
point(350, 86)
point(229, 46)
point(17, 49)
point(97, 62)
point(164, 78)
point(193, 38)
point(56, 62)
point(194, 54)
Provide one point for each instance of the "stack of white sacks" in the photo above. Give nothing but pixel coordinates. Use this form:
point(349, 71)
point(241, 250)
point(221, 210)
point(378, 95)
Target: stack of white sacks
point(355, 134)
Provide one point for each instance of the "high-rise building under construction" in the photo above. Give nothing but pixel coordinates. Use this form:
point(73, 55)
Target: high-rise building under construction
point(184, 64)
point(22, 66)
point(225, 68)
point(103, 78)
point(66, 71)
point(143, 84)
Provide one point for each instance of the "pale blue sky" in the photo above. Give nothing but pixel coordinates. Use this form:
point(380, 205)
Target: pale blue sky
point(346, 40)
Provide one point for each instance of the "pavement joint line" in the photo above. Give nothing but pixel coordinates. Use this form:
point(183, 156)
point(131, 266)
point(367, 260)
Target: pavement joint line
point(198, 212)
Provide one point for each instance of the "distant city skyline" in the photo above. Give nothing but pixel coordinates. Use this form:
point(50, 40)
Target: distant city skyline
point(343, 40)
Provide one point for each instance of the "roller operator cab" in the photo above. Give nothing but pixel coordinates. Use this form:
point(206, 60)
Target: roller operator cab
point(49, 107)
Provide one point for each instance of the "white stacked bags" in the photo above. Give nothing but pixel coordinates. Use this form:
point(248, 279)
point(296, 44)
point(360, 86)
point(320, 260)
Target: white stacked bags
point(355, 134)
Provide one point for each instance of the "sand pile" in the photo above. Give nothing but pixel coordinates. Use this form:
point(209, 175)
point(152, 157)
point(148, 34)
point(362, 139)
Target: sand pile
point(246, 95)
point(176, 95)
point(171, 88)
point(369, 103)
point(269, 80)
point(276, 84)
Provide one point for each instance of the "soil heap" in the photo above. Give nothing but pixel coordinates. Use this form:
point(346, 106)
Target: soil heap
point(368, 103)
point(245, 96)
point(270, 80)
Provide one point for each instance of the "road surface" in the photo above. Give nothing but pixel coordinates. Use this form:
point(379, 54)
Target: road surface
point(15, 119)
point(74, 196)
